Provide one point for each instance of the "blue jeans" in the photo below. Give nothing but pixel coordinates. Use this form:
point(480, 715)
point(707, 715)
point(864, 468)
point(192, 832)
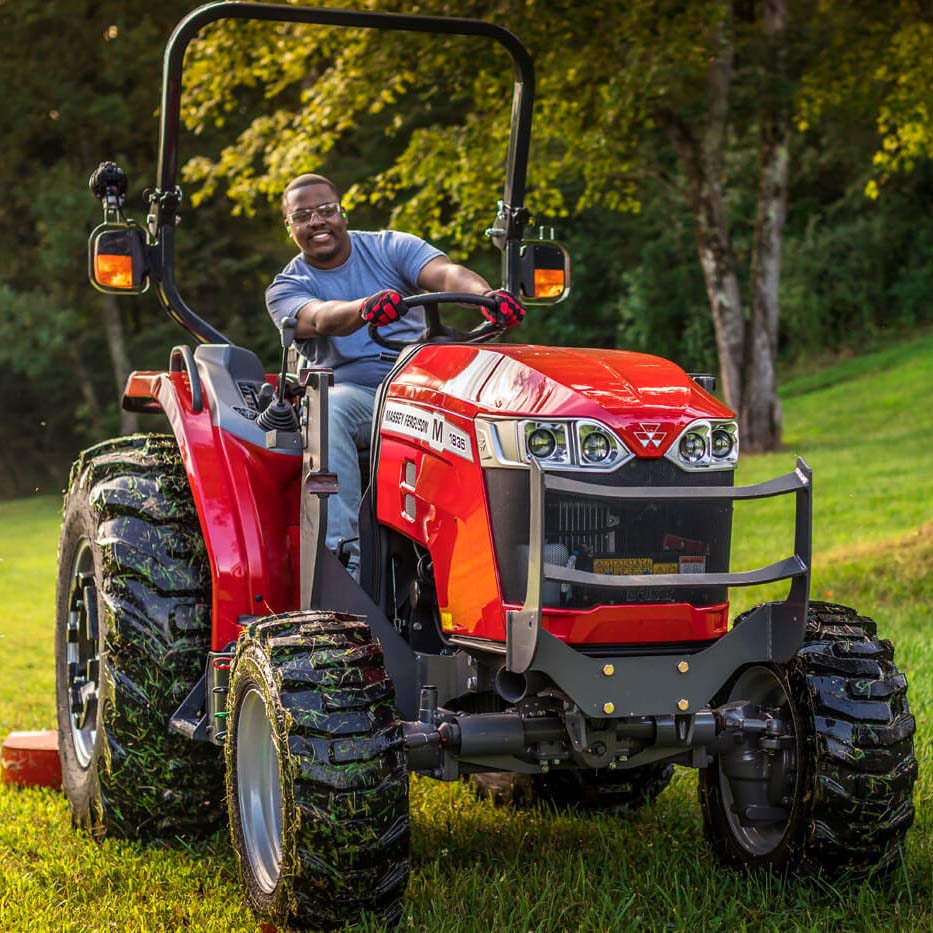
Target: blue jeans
point(351, 414)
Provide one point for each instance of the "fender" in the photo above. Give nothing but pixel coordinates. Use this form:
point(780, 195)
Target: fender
point(247, 500)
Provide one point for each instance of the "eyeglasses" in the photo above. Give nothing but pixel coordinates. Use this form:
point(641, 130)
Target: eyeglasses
point(306, 215)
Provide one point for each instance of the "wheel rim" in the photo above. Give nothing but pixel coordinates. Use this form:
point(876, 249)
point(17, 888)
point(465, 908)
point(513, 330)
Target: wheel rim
point(82, 655)
point(761, 686)
point(259, 790)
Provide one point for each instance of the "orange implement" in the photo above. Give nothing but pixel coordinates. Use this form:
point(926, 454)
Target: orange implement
point(30, 759)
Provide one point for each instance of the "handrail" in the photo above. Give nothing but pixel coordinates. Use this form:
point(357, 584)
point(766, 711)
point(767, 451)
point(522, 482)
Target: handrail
point(186, 357)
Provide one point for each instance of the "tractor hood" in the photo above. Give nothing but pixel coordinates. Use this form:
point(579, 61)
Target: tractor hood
point(636, 394)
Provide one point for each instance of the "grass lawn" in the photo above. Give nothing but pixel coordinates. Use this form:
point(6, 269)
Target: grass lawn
point(863, 426)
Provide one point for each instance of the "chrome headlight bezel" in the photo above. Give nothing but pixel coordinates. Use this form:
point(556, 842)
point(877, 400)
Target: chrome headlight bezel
point(707, 429)
point(618, 452)
point(560, 455)
point(504, 442)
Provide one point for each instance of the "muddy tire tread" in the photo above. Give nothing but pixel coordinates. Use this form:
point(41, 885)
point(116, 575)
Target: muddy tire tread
point(154, 593)
point(857, 797)
point(346, 810)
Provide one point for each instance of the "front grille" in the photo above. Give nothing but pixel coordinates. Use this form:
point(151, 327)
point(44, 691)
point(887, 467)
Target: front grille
point(582, 523)
point(614, 537)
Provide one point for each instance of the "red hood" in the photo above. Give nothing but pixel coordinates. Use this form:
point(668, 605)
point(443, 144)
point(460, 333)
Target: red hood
point(647, 399)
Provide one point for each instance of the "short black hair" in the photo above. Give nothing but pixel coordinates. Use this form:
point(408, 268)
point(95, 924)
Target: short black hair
point(303, 181)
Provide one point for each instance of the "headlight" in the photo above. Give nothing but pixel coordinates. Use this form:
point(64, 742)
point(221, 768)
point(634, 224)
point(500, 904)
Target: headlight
point(542, 443)
point(692, 447)
point(706, 445)
point(546, 442)
point(596, 447)
point(560, 444)
point(723, 443)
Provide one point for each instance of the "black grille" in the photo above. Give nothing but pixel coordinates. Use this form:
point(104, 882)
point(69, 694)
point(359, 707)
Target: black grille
point(614, 537)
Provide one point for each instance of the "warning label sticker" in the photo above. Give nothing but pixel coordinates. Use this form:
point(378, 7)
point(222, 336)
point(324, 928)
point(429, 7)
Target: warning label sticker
point(427, 426)
point(632, 566)
point(692, 564)
point(623, 566)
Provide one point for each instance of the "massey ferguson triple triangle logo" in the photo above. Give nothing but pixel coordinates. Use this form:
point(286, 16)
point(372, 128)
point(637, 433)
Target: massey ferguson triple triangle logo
point(650, 435)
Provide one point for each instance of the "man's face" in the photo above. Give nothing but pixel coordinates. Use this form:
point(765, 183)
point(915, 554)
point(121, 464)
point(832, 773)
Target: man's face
point(323, 240)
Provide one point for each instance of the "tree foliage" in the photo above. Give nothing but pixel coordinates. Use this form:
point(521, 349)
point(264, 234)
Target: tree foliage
point(602, 74)
point(70, 104)
point(875, 58)
point(636, 92)
point(414, 128)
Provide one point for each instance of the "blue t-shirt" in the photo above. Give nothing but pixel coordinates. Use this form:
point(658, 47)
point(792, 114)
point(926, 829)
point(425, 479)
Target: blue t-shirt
point(378, 259)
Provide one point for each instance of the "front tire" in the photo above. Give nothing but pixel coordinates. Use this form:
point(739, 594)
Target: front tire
point(317, 787)
point(847, 776)
point(132, 634)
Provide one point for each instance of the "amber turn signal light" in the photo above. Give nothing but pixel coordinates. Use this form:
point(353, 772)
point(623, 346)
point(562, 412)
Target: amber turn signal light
point(549, 283)
point(114, 271)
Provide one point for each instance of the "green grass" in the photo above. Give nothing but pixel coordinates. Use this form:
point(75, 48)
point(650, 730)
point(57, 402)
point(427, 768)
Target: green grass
point(864, 427)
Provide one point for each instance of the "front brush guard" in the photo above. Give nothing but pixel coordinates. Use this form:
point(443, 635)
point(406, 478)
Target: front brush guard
point(661, 684)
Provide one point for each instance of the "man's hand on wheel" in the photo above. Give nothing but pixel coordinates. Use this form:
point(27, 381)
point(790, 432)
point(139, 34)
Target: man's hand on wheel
point(382, 308)
point(508, 312)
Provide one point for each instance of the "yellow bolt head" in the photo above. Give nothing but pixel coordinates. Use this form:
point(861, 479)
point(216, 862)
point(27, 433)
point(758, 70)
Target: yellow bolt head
point(683, 667)
point(608, 670)
point(683, 705)
point(609, 708)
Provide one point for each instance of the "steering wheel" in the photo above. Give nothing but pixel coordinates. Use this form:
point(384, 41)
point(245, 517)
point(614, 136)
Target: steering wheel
point(436, 332)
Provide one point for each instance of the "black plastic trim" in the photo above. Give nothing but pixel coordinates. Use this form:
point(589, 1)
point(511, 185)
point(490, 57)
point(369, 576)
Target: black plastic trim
point(182, 356)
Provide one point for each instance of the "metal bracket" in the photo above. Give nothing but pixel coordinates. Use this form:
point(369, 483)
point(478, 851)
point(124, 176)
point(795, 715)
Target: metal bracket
point(318, 482)
point(186, 720)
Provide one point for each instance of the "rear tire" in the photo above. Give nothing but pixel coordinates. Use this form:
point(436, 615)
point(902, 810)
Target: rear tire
point(132, 635)
point(317, 786)
point(852, 769)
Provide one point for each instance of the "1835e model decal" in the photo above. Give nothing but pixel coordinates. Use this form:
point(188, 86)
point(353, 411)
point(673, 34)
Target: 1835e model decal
point(428, 426)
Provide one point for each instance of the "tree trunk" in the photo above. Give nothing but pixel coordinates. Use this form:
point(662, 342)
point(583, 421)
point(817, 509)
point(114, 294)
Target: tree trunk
point(702, 159)
point(761, 408)
point(119, 358)
point(91, 403)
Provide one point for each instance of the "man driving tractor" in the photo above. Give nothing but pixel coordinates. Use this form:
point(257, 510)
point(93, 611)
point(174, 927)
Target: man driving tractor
point(340, 282)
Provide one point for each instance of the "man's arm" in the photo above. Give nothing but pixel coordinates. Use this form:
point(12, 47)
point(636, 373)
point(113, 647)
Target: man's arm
point(328, 319)
point(442, 275)
point(339, 318)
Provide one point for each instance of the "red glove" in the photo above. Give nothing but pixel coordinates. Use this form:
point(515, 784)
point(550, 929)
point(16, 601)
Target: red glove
point(382, 308)
point(508, 312)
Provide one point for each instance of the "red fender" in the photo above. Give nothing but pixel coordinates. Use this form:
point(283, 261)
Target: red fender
point(247, 499)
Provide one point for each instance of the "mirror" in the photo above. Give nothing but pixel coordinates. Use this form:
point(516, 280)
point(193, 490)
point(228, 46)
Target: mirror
point(545, 272)
point(117, 259)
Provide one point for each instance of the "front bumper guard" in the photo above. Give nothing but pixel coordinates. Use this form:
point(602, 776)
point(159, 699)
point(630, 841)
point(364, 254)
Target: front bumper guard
point(659, 684)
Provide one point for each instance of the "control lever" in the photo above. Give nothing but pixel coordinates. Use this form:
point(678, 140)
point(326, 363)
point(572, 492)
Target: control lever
point(289, 326)
point(280, 416)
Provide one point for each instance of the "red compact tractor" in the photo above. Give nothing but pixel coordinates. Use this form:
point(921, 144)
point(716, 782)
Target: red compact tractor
point(544, 591)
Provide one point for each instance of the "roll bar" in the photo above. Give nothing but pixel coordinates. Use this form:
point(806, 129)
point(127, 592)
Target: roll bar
point(165, 199)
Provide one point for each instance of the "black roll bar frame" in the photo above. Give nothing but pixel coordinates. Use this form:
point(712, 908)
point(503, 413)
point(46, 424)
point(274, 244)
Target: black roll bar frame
point(164, 201)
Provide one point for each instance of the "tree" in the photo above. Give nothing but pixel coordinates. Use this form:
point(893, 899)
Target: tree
point(65, 350)
point(621, 92)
